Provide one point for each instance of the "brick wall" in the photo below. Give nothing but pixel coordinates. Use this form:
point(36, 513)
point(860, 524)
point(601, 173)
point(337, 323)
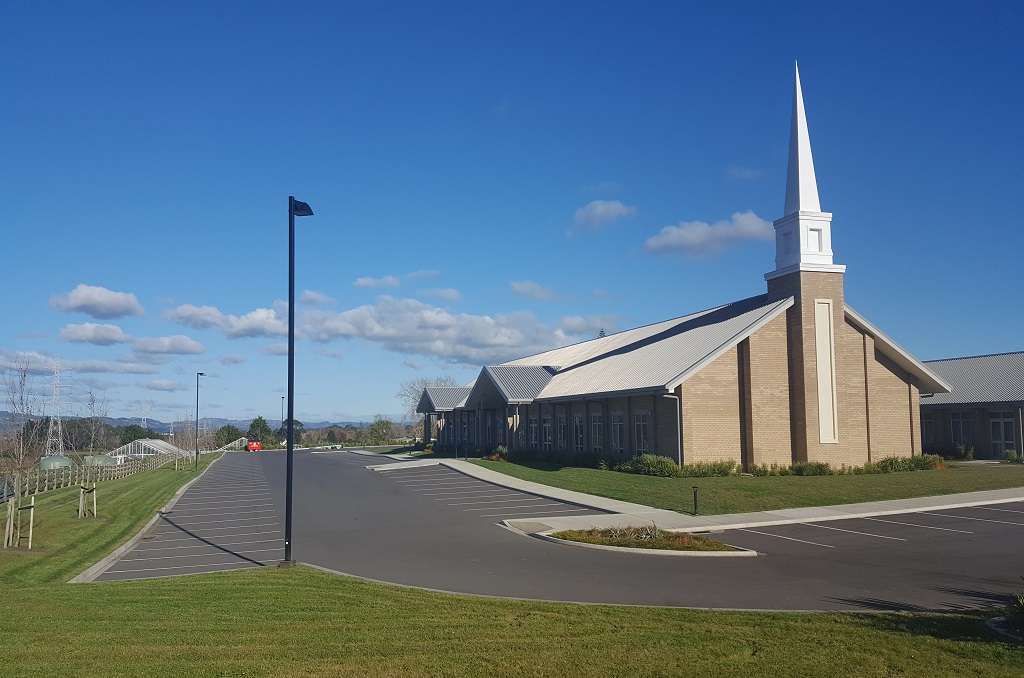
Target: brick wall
point(769, 436)
point(711, 411)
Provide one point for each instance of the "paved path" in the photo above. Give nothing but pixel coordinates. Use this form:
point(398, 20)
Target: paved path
point(947, 553)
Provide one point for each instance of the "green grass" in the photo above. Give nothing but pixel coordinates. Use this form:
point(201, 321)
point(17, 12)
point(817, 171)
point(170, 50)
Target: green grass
point(302, 622)
point(643, 538)
point(742, 494)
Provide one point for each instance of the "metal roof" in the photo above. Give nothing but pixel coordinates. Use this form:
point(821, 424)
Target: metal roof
point(442, 398)
point(520, 383)
point(979, 379)
point(659, 360)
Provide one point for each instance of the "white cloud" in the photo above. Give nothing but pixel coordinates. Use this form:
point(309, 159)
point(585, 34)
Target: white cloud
point(275, 349)
point(313, 298)
point(232, 359)
point(410, 363)
point(94, 333)
point(143, 359)
point(40, 363)
point(98, 302)
point(165, 385)
point(179, 344)
point(262, 322)
point(698, 238)
point(587, 328)
point(533, 290)
point(743, 173)
point(443, 293)
point(411, 327)
point(386, 281)
point(597, 213)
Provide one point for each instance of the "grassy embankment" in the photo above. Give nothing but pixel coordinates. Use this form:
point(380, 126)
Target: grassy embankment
point(298, 621)
point(741, 494)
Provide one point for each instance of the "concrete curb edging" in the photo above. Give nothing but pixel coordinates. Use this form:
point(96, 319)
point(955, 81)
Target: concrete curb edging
point(739, 552)
point(90, 574)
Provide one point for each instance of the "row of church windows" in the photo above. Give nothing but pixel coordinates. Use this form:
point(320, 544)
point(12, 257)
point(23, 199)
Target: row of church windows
point(540, 431)
point(1001, 428)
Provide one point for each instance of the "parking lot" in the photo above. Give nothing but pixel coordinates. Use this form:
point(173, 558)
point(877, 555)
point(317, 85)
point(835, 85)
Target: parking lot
point(479, 498)
point(225, 521)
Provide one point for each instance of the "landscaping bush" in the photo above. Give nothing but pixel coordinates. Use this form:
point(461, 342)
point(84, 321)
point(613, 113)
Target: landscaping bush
point(812, 468)
point(500, 453)
point(650, 465)
point(708, 469)
point(1012, 457)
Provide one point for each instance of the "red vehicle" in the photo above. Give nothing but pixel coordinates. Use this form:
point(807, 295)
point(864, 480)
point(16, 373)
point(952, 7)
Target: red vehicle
point(254, 446)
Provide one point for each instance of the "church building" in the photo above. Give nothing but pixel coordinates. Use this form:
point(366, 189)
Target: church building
point(787, 376)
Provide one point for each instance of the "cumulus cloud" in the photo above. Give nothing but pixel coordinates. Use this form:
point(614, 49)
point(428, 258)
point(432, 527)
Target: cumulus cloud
point(700, 239)
point(412, 364)
point(443, 293)
point(533, 290)
point(262, 322)
point(312, 298)
point(98, 302)
point(165, 385)
point(275, 349)
point(411, 327)
point(143, 359)
point(179, 344)
point(41, 363)
point(94, 333)
point(386, 281)
point(588, 328)
point(232, 359)
point(598, 213)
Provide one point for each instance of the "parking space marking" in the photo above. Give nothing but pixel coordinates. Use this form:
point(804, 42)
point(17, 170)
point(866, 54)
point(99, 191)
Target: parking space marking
point(927, 527)
point(491, 508)
point(989, 508)
point(866, 534)
point(490, 501)
point(983, 520)
point(437, 494)
point(506, 514)
point(779, 536)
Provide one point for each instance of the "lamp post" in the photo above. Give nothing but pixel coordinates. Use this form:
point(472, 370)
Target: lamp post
point(296, 208)
point(198, 374)
point(282, 410)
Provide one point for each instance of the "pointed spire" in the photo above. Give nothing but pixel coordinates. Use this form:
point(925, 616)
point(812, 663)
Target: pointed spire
point(801, 186)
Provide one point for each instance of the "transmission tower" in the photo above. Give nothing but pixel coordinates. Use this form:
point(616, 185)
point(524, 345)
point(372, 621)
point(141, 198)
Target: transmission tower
point(145, 412)
point(55, 434)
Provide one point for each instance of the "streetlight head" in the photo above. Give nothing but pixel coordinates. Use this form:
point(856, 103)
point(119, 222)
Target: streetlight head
point(200, 374)
point(299, 208)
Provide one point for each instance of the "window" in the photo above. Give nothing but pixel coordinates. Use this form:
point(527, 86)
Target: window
point(814, 242)
point(500, 428)
point(490, 431)
point(533, 433)
point(465, 426)
point(640, 432)
point(1002, 433)
point(961, 422)
point(926, 431)
point(618, 432)
point(546, 433)
point(596, 433)
point(561, 434)
point(577, 433)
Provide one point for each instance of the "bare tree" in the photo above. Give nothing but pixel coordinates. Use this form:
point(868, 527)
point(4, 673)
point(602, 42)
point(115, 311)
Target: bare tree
point(22, 449)
point(409, 394)
point(97, 412)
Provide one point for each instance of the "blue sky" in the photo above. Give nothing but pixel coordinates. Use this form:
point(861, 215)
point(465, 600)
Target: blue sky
point(488, 181)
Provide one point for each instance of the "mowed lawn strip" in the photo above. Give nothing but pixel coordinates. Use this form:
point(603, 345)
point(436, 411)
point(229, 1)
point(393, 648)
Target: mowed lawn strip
point(743, 494)
point(303, 622)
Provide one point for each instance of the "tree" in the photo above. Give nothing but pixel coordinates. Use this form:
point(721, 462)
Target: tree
point(22, 447)
point(331, 437)
point(379, 432)
point(259, 430)
point(133, 432)
point(226, 434)
point(409, 393)
point(297, 429)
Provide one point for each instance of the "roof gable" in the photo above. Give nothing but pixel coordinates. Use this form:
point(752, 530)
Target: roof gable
point(929, 381)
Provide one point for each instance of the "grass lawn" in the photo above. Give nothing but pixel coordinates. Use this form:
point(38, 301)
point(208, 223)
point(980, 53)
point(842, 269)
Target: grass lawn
point(302, 622)
point(741, 494)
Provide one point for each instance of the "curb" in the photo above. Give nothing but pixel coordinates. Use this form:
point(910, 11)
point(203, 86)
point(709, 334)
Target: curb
point(738, 553)
point(90, 574)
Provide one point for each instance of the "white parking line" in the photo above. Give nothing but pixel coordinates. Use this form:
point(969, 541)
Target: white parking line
point(438, 494)
point(195, 555)
point(218, 542)
point(202, 514)
point(927, 527)
point(489, 508)
point(527, 513)
point(866, 534)
point(989, 508)
point(437, 481)
point(983, 520)
point(237, 562)
point(207, 533)
point(802, 541)
point(213, 522)
point(495, 501)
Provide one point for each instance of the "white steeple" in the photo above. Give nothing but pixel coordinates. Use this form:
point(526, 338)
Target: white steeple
point(803, 237)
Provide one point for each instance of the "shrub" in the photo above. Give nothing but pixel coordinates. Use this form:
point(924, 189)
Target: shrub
point(963, 453)
point(708, 469)
point(812, 468)
point(650, 465)
point(500, 453)
point(1012, 456)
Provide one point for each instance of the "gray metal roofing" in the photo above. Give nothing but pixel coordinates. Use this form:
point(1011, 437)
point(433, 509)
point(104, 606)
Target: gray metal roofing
point(655, 357)
point(979, 379)
point(520, 383)
point(442, 398)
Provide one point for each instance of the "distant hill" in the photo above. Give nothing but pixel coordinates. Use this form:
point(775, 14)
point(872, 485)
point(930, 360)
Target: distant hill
point(7, 419)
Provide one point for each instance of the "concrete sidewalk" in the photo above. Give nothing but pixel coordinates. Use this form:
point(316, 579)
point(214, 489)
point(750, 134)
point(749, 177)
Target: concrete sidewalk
point(626, 514)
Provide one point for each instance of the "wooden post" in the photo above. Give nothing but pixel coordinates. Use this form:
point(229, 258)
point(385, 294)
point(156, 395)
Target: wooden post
point(9, 523)
point(94, 514)
point(31, 521)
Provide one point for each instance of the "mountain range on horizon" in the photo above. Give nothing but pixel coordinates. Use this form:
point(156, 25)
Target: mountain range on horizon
point(212, 423)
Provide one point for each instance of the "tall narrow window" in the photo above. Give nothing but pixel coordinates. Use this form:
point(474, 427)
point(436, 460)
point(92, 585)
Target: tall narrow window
point(1002, 425)
point(577, 433)
point(596, 433)
point(533, 433)
point(618, 432)
point(961, 423)
point(561, 435)
point(640, 432)
point(546, 433)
